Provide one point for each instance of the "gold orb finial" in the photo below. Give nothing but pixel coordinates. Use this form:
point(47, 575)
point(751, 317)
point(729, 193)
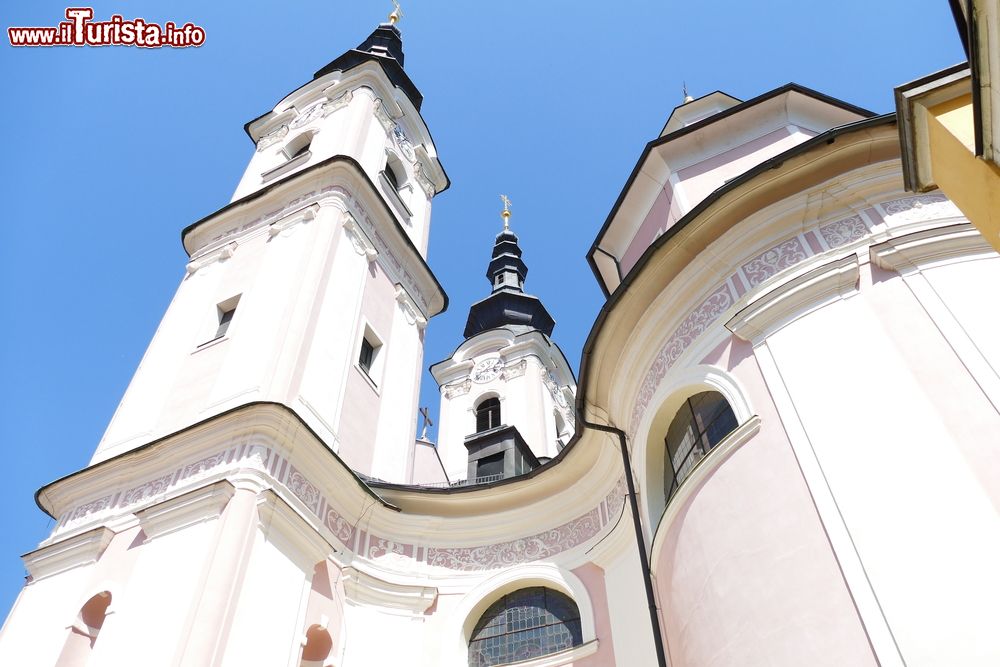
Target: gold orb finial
point(396, 14)
point(505, 214)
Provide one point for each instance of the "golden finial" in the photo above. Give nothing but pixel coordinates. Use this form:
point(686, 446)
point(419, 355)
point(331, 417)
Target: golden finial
point(505, 214)
point(397, 13)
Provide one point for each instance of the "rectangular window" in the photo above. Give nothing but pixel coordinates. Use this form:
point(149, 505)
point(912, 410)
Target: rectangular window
point(367, 357)
point(370, 355)
point(225, 317)
point(217, 327)
point(490, 466)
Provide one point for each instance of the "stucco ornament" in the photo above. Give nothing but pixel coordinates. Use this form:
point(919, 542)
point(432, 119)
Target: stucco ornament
point(272, 137)
point(843, 231)
point(458, 388)
point(769, 263)
point(310, 113)
point(522, 550)
point(405, 146)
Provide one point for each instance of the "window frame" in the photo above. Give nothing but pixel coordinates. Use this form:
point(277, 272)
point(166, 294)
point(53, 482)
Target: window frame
point(516, 622)
point(217, 329)
point(372, 373)
point(495, 406)
point(703, 443)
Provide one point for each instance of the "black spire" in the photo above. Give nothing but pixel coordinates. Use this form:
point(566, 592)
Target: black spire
point(508, 304)
point(384, 46)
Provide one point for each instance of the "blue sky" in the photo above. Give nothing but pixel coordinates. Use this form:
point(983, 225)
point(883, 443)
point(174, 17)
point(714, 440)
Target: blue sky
point(110, 152)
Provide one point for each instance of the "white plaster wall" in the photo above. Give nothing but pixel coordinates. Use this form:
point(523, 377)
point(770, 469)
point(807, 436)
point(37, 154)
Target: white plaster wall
point(332, 345)
point(400, 394)
point(269, 620)
point(157, 598)
point(377, 638)
point(962, 286)
point(630, 630)
point(37, 627)
point(294, 339)
point(924, 529)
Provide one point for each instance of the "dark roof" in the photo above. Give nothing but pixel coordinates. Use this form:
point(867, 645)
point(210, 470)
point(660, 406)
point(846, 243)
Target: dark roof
point(384, 46)
point(508, 304)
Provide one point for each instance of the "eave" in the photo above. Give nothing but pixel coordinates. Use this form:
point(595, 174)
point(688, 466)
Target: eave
point(342, 161)
point(596, 246)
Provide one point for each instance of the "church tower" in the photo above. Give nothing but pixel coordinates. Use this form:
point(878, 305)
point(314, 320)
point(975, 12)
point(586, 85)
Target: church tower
point(217, 518)
point(507, 391)
point(310, 289)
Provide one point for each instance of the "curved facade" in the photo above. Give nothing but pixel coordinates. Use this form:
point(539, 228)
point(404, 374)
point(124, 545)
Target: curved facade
point(834, 311)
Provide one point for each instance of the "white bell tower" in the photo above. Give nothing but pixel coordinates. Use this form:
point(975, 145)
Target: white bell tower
point(216, 522)
point(507, 392)
point(310, 289)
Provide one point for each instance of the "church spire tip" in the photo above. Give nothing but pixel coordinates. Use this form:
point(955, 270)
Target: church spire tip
point(505, 214)
point(396, 14)
point(687, 98)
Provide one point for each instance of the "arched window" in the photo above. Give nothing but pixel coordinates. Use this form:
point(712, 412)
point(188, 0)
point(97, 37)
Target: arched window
point(298, 146)
point(83, 633)
point(702, 422)
point(390, 175)
point(317, 648)
point(488, 415)
point(525, 624)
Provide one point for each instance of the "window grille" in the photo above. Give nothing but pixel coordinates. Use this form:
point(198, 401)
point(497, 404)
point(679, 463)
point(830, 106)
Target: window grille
point(525, 624)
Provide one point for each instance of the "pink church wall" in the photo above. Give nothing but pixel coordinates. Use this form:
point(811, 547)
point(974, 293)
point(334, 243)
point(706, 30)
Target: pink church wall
point(658, 220)
point(592, 577)
point(746, 558)
point(699, 180)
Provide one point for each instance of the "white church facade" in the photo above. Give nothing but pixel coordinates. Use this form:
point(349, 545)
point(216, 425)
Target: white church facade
point(781, 448)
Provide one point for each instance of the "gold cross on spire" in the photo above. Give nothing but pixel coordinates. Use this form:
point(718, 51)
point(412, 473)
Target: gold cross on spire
point(505, 214)
point(397, 13)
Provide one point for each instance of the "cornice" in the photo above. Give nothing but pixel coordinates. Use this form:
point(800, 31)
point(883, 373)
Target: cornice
point(308, 497)
point(187, 509)
point(790, 300)
point(81, 549)
point(931, 247)
point(365, 590)
point(284, 526)
point(249, 439)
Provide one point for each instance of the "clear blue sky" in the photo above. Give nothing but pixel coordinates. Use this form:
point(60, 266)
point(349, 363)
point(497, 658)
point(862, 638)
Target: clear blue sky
point(109, 152)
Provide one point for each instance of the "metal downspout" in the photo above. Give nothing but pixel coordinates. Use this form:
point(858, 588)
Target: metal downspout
point(639, 541)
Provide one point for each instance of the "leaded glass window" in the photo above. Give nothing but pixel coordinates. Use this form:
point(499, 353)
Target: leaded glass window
point(703, 421)
point(525, 624)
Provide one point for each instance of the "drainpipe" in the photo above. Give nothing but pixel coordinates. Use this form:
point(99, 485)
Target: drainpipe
point(639, 541)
